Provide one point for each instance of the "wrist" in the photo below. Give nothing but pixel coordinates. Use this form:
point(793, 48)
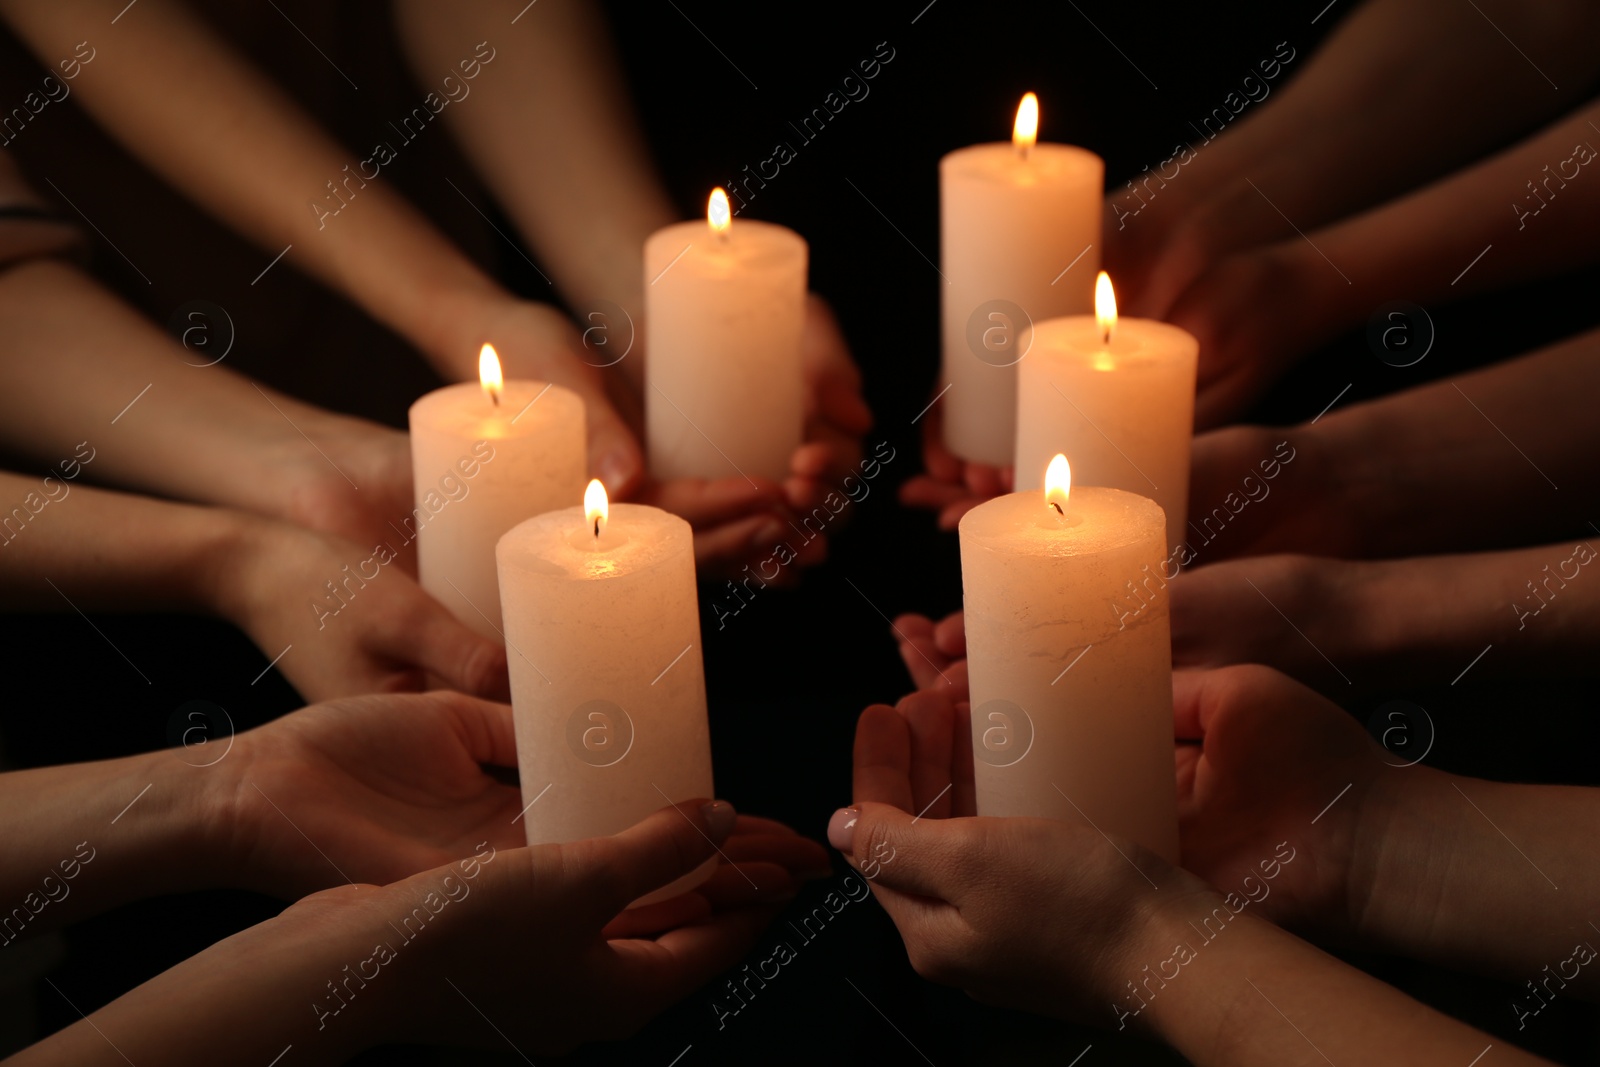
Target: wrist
point(455, 325)
point(1405, 845)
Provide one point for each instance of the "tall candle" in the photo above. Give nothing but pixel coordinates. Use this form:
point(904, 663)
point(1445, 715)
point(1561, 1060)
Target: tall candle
point(1070, 674)
point(1019, 236)
point(724, 307)
point(1115, 395)
point(607, 686)
point(483, 458)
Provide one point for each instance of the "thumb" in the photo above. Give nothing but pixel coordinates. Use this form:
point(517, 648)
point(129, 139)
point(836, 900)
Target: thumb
point(654, 852)
point(898, 851)
point(614, 453)
point(439, 643)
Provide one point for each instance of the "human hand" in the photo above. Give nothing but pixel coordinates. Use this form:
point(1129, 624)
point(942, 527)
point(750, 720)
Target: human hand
point(527, 935)
point(1308, 617)
point(1038, 914)
point(935, 653)
point(351, 621)
point(1279, 767)
point(951, 485)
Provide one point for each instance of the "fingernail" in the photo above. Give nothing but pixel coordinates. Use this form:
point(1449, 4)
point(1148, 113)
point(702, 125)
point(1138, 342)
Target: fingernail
point(719, 817)
point(842, 829)
point(767, 536)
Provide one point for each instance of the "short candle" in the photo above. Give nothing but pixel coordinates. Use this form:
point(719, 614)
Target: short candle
point(1019, 225)
point(485, 456)
point(1117, 395)
point(607, 685)
point(1070, 673)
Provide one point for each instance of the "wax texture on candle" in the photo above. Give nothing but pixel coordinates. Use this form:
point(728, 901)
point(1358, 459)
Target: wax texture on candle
point(479, 469)
point(607, 684)
point(1123, 412)
point(1069, 661)
point(724, 390)
point(1009, 230)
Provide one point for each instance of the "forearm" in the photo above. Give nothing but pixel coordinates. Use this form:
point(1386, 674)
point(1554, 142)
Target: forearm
point(1485, 876)
point(243, 1000)
point(245, 152)
point(1256, 994)
point(553, 132)
point(1530, 211)
point(1366, 94)
point(1471, 462)
point(64, 545)
point(74, 358)
point(87, 837)
point(1420, 621)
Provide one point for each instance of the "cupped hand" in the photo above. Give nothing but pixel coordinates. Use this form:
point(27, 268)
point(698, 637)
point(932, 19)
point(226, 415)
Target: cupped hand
point(950, 486)
point(1279, 771)
point(345, 620)
point(1036, 914)
point(365, 789)
point(935, 653)
point(528, 938)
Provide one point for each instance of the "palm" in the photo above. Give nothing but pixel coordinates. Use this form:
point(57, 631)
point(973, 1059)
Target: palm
point(1273, 768)
point(372, 790)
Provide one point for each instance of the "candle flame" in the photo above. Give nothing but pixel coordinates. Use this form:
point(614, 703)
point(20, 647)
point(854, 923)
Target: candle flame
point(718, 213)
point(1105, 306)
point(1058, 483)
point(1025, 133)
point(489, 373)
point(596, 507)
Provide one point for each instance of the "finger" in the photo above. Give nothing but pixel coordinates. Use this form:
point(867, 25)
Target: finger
point(964, 797)
point(661, 848)
point(912, 625)
point(723, 550)
point(929, 493)
point(943, 464)
point(882, 758)
point(798, 855)
point(983, 480)
point(922, 661)
point(950, 517)
point(430, 637)
point(893, 849)
point(707, 503)
point(756, 824)
point(654, 918)
point(950, 634)
point(931, 719)
point(614, 452)
point(749, 883)
point(486, 729)
point(648, 975)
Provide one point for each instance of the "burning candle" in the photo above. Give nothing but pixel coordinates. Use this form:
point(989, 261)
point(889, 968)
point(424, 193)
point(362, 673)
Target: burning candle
point(1118, 396)
point(607, 687)
point(1019, 228)
point(724, 308)
point(483, 458)
point(1069, 659)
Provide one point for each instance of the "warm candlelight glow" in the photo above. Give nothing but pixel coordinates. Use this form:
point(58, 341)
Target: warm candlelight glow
point(595, 506)
point(718, 214)
point(1025, 133)
point(1105, 306)
point(1057, 483)
point(489, 373)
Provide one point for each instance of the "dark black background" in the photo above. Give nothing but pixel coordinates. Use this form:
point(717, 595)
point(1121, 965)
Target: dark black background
point(788, 675)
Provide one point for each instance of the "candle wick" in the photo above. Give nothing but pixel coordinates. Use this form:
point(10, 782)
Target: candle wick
point(1057, 506)
point(597, 526)
point(1107, 338)
point(494, 394)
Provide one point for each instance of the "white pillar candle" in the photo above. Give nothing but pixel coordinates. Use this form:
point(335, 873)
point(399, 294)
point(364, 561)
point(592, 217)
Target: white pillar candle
point(724, 307)
point(1012, 219)
point(607, 686)
point(1122, 408)
point(483, 458)
point(1070, 675)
